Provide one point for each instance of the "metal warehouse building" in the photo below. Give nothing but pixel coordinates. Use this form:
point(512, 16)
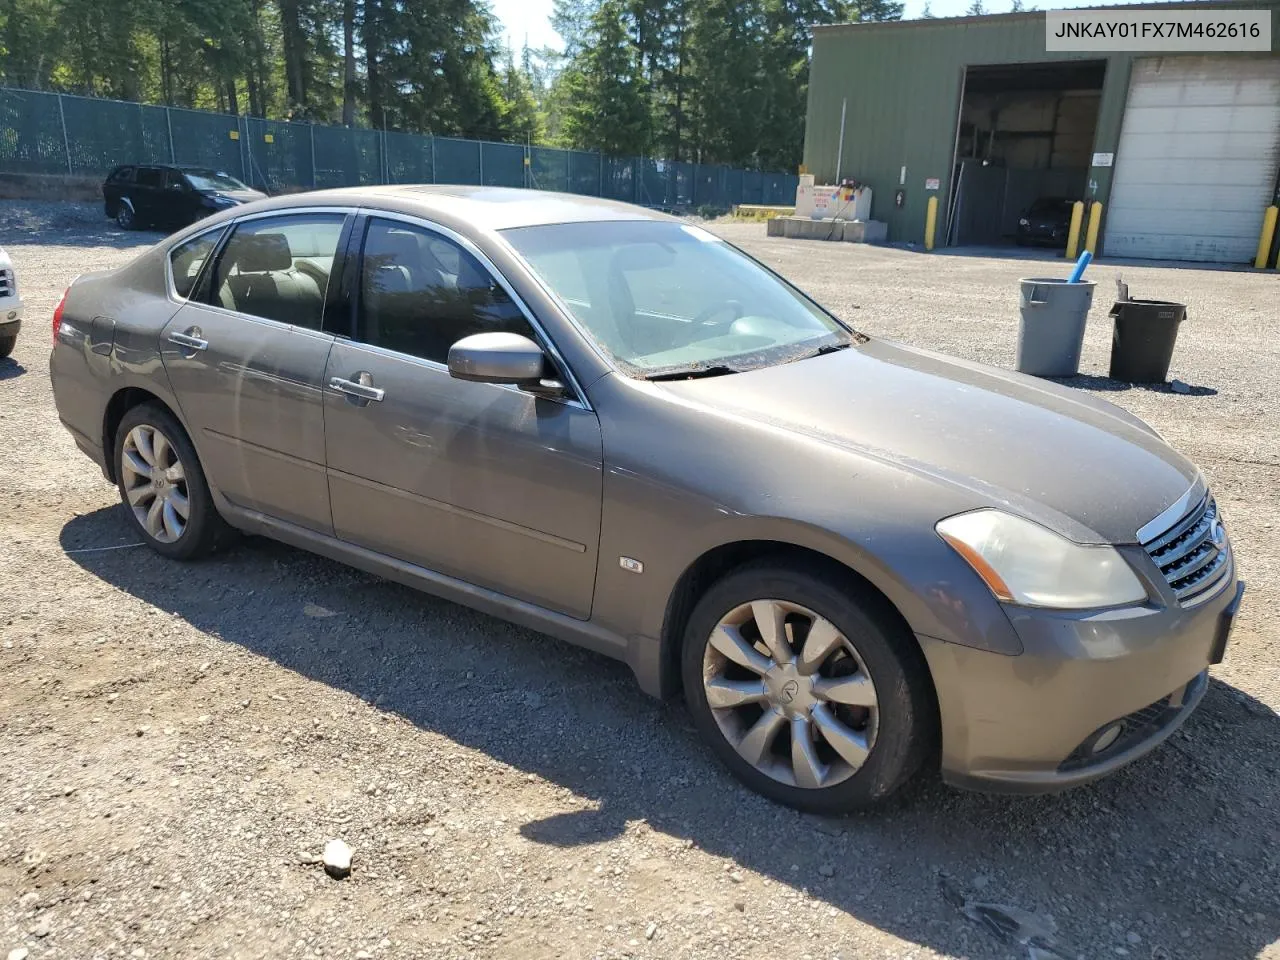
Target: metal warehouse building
point(1182, 150)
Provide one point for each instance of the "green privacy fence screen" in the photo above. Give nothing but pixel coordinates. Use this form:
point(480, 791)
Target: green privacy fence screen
point(49, 133)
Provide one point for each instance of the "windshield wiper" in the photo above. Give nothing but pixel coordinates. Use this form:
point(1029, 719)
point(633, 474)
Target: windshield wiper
point(690, 373)
point(831, 348)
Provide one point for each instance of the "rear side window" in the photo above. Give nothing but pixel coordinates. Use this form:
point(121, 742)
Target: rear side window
point(186, 259)
point(279, 268)
point(420, 293)
point(149, 177)
point(123, 175)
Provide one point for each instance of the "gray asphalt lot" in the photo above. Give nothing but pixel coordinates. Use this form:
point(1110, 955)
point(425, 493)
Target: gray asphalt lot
point(177, 742)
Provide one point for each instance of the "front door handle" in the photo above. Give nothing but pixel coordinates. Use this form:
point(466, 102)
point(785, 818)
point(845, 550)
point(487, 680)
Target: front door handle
point(190, 339)
point(361, 388)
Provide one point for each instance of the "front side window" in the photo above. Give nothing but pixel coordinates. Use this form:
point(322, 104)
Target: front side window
point(123, 175)
point(279, 268)
point(667, 298)
point(186, 259)
point(420, 293)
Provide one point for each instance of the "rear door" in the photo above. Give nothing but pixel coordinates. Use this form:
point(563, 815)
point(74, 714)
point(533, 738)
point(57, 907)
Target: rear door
point(117, 184)
point(246, 357)
point(481, 482)
point(145, 192)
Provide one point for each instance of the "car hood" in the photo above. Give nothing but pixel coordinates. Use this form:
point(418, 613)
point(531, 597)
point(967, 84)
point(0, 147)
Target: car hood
point(1061, 457)
point(241, 196)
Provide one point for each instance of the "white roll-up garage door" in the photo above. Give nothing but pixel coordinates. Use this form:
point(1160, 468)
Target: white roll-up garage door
point(1197, 161)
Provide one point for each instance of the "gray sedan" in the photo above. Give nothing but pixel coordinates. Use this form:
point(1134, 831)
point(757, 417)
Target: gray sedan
point(852, 558)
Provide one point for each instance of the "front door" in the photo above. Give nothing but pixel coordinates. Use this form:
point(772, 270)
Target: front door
point(480, 482)
point(246, 358)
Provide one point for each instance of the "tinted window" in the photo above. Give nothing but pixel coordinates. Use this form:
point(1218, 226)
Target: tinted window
point(149, 177)
point(123, 175)
point(279, 268)
point(186, 259)
point(421, 293)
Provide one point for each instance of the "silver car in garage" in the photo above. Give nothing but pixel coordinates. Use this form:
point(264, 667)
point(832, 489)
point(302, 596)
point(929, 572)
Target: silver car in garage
point(852, 558)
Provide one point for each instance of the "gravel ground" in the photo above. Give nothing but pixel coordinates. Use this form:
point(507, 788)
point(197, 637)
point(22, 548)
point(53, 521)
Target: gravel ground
point(178, 742)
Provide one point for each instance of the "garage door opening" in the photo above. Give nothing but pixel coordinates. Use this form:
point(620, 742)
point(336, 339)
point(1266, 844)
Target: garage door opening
point(1022, 151)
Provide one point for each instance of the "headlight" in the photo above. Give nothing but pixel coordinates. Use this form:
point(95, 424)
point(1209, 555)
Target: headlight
point(1024, 563)
point(1024, 222)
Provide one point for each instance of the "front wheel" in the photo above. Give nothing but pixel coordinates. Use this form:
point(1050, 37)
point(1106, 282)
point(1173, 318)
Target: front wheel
point(811, 695)
point(7, 342)
point(163, 486)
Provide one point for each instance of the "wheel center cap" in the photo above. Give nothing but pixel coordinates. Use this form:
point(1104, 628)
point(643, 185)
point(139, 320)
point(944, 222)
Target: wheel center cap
point(788, 691)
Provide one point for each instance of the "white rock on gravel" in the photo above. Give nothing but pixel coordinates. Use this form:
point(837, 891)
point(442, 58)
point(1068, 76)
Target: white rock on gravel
point(19, 953)
point(337, 859)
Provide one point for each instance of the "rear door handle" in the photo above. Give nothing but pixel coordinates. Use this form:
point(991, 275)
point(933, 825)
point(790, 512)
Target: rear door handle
point(361, 388)
point(190, 340)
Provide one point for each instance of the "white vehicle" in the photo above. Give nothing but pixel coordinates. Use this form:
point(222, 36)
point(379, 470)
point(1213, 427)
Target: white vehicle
point(10, 305)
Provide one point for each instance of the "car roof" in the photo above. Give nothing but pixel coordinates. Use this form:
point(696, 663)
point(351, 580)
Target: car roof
point(491, 208)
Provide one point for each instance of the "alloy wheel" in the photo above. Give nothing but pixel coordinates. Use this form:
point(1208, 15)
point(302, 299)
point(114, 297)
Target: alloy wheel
point(155, 483)
point(790, 692)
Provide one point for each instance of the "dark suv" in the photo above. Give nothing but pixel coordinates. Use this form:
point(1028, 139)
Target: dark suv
point(165, 195)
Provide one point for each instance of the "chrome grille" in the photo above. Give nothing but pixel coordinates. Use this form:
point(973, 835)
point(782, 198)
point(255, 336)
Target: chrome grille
point(1193, 554)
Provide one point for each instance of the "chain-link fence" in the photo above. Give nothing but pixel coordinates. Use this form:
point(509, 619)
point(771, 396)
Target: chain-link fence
point(49, 133)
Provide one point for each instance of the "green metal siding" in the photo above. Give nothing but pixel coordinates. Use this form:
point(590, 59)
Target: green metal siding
point(903, 84)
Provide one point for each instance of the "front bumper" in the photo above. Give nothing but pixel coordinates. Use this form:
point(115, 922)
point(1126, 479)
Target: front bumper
point(11, 309)
point(1033, 722)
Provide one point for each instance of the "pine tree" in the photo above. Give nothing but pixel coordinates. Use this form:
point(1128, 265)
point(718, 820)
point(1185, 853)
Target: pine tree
point(606, 107)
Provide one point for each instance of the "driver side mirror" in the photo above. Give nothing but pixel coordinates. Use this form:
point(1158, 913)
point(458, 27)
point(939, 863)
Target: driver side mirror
point(503, 358)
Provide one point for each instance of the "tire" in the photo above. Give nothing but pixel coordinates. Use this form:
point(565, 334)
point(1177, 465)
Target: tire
point(873, 660)
point(7, 343)
point(125, 217)
point(203, 530)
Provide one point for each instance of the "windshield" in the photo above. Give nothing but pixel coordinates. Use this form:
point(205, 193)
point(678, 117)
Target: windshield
point(1046, 208)
point(662, 297)
point(213, 180)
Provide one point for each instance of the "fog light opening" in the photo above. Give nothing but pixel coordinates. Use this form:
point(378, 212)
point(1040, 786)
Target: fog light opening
point(1107, 737)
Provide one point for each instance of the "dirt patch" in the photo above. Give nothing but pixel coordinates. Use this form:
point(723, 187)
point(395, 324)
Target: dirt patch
point(178, 742)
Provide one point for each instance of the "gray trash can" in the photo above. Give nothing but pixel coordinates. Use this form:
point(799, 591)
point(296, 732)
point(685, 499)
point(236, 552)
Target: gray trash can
point(1052, 328)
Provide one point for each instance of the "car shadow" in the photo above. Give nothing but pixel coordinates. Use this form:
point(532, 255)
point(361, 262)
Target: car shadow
point(1178, 849)
point(1089, 381)
point(10, 368)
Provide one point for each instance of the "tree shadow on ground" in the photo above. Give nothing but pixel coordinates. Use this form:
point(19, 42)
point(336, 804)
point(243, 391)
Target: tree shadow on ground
point(1179, 848)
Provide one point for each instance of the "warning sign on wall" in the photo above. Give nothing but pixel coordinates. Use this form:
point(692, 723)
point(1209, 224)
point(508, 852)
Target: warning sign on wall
point(933, 183)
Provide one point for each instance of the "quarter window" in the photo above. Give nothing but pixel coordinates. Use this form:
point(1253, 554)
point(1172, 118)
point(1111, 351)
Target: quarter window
point(186, 259)
point(279, 268)
point(420, 293)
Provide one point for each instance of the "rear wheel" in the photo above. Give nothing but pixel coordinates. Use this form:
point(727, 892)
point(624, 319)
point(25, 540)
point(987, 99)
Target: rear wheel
point(809, 695)
point(163, 485)
point(125, 216)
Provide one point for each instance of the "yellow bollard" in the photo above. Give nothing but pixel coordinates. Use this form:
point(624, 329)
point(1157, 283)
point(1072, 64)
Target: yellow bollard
point(1073, 235)
point(930, 222)
point(1095, 221)
point(1264, 241)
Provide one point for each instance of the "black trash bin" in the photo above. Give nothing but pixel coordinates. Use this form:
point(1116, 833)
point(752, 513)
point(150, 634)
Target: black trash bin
point(1143, 340)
